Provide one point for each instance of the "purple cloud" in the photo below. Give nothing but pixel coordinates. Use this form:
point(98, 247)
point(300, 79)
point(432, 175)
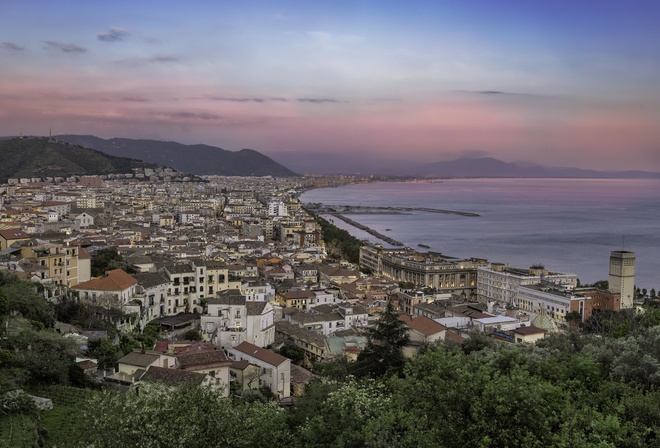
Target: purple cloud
point(317, 100)
point(10, 46)
point(195, 116)
point(164, 59)
point(65, 48)
point(114, 35)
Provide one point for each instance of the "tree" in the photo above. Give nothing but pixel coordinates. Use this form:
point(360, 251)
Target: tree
point(108, 259)
point(383, 354)
point(652, 294)
point(4, 310)
point(192, 335)
point(22, 297)
point(105, 352)
point(195, 416)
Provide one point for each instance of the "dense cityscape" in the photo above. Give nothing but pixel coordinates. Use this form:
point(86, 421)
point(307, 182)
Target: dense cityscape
point(232, 285)
point(345, 224)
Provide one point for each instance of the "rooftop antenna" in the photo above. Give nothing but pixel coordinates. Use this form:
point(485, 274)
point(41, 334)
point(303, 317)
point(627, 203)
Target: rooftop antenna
point(623, 241)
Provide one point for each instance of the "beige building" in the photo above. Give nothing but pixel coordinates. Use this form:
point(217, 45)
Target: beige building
point(622, 276)
point(60, 259)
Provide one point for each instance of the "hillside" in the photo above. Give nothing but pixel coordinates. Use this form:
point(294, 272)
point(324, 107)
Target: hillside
point(195, 159)
point(38, 157)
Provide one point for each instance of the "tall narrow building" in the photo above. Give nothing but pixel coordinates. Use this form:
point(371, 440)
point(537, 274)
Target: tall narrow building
point(622, 276)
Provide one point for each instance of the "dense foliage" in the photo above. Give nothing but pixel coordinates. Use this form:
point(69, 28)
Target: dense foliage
point(599, 388)
point(339, 242)
point(383, 354)
point(108, 259)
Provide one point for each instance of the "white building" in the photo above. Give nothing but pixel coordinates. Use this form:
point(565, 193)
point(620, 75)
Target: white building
point(553, 302)
point(231, 320)
point(275, 369)
point(277, 208)
point(501, 283)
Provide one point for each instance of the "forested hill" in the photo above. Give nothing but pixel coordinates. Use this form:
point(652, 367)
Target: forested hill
point(39, 157)
point(195, 159)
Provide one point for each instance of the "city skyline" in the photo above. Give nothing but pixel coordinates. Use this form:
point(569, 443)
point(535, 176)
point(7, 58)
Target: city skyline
point(559, 83)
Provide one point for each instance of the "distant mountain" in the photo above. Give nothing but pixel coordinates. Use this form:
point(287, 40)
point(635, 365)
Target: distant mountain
point(489, 167)
point(195, 159)
point(39, 157)
point(340, 163)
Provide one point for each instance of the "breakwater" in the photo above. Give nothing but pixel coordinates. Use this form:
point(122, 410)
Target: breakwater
point(369, 230)
point(375, 210)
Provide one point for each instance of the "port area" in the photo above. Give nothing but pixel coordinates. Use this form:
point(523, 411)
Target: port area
point(379, 210)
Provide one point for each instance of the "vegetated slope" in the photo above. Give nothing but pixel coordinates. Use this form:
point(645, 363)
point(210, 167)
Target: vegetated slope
point(195, 159)
point(39, 157)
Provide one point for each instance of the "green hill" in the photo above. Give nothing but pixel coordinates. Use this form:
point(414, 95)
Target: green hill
point(195, 159)
point(39, 157)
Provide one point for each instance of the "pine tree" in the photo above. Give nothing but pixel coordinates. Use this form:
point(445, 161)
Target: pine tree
point(383, 354)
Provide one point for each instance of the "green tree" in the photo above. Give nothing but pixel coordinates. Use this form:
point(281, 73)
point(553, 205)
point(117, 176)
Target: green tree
point(105, 352)
point(358, 414)
point(195, 416)
point(192, 335)
point(23, 297)
point(383, 353)
point(4, 310)
point(108, 259)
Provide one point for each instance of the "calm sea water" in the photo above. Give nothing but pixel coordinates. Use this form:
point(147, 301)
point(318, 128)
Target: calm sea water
point(568, 225)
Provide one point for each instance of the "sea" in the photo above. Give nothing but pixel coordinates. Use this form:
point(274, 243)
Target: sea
point(567, 225)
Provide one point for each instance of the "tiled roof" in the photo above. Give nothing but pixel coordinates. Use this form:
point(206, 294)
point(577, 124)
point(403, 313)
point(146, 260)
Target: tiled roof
point(423, 325)
point(172, 377)
point(115, 280)
point(13, 234)
point(529, 330)
point(151, 279)
point(202, 358)
point(139, 359)
point(255, 308)
point(298, 295)
point(228, 297)
point(261, 354)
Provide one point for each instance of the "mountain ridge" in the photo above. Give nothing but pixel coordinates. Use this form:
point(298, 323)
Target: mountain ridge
point(197, 159)
point(492, 167)
point(42, 157)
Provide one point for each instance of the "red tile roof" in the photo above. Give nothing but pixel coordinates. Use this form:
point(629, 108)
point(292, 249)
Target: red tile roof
point(115, 280)
point(261, 354)
point(423, 324)
point(13, 234)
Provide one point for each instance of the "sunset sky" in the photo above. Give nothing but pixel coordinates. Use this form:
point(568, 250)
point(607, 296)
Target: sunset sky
point(563, 83)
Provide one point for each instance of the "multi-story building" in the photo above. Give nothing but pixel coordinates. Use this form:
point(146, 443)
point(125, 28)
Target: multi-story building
point(231, 319)
point(500, 283)
point(553, 301)
point(151, 291)
point(275, 368)
point(60, 259)
point(446, 275)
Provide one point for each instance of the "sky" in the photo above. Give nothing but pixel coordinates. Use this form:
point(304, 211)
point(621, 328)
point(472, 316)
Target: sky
point(560, 83)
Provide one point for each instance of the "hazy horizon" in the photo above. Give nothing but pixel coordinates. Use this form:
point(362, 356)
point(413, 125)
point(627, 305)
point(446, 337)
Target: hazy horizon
point(568, 84)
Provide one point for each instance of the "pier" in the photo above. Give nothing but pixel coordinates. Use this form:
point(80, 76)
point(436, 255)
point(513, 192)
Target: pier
point(369, 230)
point(380, 210)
